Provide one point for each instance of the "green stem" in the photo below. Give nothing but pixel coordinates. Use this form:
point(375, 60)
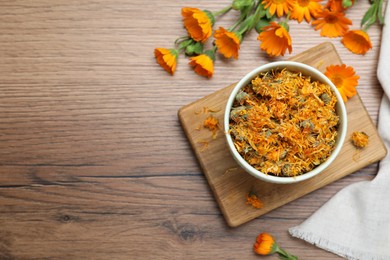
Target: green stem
point(223, 11)
point(257, 15)
point(284, 255)
point(181, 39)
point(288, 16)
point(234, 26)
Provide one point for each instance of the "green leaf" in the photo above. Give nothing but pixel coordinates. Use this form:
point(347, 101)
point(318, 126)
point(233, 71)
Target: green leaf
point(380, 12)
point(370, 12)
point(185, 43)
point(210, 16)
point(263, 12)
point(268, 14)
point(246, 25)
point(194, 49)
point(211, 54)
point(369, 17)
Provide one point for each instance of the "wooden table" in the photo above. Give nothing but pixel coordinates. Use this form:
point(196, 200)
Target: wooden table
point(93, 161)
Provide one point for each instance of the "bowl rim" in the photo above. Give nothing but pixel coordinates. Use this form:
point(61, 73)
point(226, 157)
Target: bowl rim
point(306, 70)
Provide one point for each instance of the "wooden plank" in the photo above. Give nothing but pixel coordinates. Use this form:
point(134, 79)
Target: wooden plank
point(94, 163)
point(230, 183)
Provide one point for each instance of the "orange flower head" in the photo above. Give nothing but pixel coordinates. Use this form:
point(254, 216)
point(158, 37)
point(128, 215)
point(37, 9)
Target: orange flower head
point(265, 244)
point(167, 58)
point(344, 78)
point(198, 23)
point(281, 7)
point(337, 5)
point(275, 39)
point(305, 9)
point(332, 24)
point(357, 41)
point(228, 43)
point(203, 64)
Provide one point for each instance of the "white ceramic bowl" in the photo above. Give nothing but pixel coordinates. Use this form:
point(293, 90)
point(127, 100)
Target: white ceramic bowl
point(315, 75)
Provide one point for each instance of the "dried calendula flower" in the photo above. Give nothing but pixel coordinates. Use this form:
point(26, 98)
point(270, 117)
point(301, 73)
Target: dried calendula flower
point(266, 245)
point(284, 123)
point(359, 139)
point(253, 200)
point(212, 124)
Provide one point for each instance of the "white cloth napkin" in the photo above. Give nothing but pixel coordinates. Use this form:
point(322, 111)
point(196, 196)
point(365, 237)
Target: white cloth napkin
point(355, 223)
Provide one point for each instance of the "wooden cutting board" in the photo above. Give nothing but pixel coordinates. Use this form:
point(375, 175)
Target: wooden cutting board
point(230, 183)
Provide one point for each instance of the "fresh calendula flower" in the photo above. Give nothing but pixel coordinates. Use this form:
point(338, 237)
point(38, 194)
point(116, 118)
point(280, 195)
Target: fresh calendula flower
point(339, 5)
point(344, 78)
point(199, 24)
point(280, 7)
point(275, 39)
point(331, 23)
point(203, 64)
point(167, 58)
point(228, 43)
point(357, 41)
point(266, 245)
point(305, 9)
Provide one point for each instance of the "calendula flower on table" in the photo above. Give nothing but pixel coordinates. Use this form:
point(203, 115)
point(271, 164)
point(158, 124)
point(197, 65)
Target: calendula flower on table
point(228, 43)
point(166, 58)
point(357, 41)
point(275, 39)
point(332, 24)
point(280, 7)
point(199, 24)
point(344, 78)
point(266, 245)
point(203, 64)
point(305, 9)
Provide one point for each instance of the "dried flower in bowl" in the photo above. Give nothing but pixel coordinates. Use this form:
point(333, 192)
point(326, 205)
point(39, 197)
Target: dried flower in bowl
point(285, 120)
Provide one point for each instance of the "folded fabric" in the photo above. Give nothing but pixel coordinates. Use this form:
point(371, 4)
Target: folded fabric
point(355, 223)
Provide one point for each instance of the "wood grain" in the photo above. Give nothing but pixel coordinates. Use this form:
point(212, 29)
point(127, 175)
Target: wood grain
point(229, 181)
point(93, 161)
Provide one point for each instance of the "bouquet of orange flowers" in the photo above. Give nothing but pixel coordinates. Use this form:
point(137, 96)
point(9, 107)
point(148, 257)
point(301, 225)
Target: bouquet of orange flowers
point(270, 19)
